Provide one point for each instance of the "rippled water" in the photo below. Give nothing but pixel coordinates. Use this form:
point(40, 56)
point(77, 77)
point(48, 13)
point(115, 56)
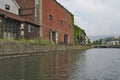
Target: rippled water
point(98, 64)
point(93, 64)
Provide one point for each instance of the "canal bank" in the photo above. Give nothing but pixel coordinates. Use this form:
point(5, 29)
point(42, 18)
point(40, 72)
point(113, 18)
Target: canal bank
point(23, 48)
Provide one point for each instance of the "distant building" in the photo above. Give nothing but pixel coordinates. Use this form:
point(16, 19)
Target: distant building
point(113, 43)
point(83, 39)
point(80, 36)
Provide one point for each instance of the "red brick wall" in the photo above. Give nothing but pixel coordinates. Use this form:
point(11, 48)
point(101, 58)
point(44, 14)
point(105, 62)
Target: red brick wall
point(27, 8)
point(59, 13)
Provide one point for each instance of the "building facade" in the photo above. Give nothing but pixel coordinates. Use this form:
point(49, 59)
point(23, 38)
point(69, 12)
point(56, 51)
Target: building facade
point(13, 25)
point(10, 6)
point(56, 22)
point(27, 9)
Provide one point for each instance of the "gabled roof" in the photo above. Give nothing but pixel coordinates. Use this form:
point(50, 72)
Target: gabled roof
point(17, 5)
point(11, 15)
point(14, 16)
point(63, 7)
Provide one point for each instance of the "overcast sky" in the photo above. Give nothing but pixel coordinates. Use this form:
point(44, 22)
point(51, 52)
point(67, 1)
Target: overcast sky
point(96, 17)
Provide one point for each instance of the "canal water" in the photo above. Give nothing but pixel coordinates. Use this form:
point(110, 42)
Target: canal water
point(93, 64)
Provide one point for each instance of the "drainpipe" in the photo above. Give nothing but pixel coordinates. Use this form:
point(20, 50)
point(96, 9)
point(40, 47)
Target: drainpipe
point(40, 16)
point(41, 32)
point(50, 35)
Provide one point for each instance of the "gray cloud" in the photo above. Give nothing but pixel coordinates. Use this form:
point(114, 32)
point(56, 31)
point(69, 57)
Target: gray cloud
point(97, 17)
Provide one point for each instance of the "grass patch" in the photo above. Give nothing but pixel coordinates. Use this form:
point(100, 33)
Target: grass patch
point(39, 41)
point(42, 42)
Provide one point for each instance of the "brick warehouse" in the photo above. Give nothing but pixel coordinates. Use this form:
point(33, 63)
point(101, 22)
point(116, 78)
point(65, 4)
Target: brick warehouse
point(56, 21)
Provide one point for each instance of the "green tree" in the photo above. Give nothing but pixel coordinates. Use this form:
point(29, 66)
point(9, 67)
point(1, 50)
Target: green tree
point(97, 42)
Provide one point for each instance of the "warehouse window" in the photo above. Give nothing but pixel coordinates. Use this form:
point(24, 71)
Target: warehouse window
point(61, 22)
point(50, 17)
point(7, 7)
point(29, 28)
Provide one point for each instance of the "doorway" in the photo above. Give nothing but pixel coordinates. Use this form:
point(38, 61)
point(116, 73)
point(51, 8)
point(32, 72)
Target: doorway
point(53, 36)
point(66, 39)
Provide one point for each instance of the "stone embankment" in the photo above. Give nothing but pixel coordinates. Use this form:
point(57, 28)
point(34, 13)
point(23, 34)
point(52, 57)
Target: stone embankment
point(18, 48)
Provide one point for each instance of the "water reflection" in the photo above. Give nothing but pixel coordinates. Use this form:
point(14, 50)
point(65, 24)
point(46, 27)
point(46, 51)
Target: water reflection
point(56, 66)
point(94, 64)
point(79, 66)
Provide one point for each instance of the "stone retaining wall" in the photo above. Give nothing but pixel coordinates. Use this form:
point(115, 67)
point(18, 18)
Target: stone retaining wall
point(18, 48)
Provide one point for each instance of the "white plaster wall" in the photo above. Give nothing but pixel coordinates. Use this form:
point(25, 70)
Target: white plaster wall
point(13, 6)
